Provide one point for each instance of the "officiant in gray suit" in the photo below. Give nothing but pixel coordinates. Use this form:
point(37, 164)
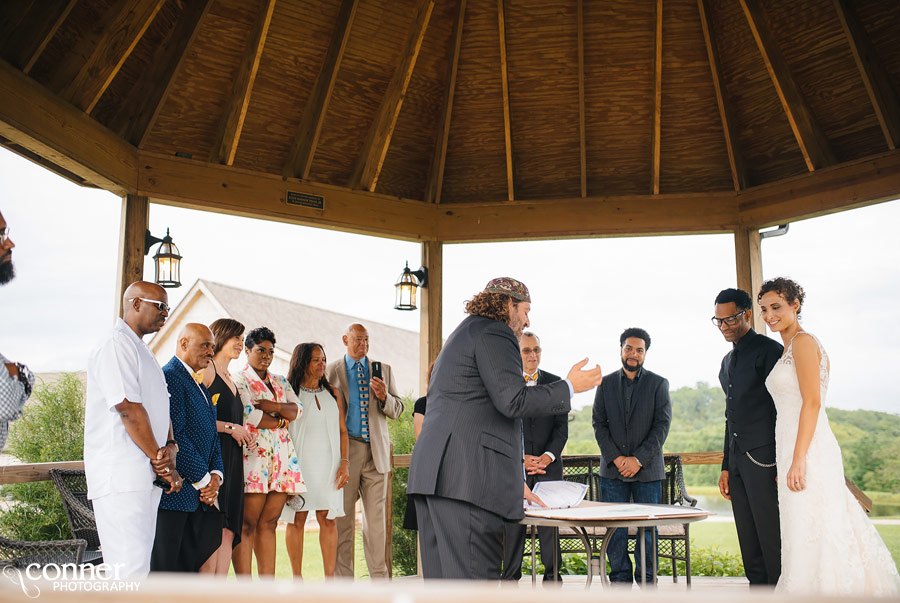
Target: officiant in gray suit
point(466, 472)
point(631, 416)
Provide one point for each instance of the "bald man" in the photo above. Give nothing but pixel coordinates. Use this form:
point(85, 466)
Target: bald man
point(371, 399)
point(189, 524)
point(127, 433)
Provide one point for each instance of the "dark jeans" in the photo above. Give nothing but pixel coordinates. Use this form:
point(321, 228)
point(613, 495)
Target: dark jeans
point(615, 490)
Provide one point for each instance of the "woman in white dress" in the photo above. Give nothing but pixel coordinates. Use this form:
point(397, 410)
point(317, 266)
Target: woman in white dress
point(320, 436)
point(828, 545)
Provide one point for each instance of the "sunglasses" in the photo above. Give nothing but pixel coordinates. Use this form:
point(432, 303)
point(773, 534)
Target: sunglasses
point(159, 305)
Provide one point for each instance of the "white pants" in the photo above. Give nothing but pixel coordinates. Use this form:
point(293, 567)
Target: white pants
point(126, 524)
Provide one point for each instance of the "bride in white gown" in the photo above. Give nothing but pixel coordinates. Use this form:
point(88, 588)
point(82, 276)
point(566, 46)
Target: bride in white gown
point(828, 544)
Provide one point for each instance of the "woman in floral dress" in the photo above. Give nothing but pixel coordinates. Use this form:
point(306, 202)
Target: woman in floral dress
point(271, 470)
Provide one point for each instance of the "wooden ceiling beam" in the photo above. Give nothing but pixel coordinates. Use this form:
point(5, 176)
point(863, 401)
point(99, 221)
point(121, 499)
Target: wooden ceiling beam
point(122, 28)
point(735, 157)
point(138, 111)
point(371, 159)
point(657, 102)
point(300, 157)
point(504, 85)
point(229, 133)
point(832, 189)
point(582, 136)
point(224, 189)
point(436, 175)
point(813, 144)
point(874, 76)
point(36, 119)
point(26, 43)
point(582, 217)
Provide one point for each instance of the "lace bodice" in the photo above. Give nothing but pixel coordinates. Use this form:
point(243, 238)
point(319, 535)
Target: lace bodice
point(783, 384)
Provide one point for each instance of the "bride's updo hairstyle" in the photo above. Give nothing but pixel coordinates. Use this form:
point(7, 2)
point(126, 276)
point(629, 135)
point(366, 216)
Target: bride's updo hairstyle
point(790, 290)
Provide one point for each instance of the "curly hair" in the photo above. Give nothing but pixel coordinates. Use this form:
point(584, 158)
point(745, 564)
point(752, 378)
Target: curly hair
point(789, 289)
point(224, 329)
point(259, 335)
point(491, 305)
point(635, 332)
point(300, 359)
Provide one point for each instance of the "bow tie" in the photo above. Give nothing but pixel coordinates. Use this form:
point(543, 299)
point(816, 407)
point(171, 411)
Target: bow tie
point(198, 377)
point(530, 378)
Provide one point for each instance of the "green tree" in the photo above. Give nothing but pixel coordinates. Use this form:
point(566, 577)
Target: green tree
point(403, 555)
point(51, 429)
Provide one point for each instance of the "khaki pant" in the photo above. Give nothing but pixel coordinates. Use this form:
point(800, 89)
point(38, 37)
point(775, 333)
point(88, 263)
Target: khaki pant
point(370, 485)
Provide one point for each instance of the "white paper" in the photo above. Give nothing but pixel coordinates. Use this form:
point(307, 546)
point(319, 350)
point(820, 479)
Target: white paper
point(559, 494)
point(615, 511)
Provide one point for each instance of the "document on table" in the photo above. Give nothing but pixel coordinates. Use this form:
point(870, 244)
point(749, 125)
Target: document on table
point(616, 511)
point(559, 494)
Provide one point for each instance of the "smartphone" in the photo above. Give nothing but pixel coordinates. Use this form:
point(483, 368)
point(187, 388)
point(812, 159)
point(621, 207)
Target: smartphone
point(161, 483)
point(376, 369)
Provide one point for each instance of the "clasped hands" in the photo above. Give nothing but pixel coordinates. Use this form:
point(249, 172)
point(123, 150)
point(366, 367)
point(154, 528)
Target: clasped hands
point(628, 466)
point(537, 465)
point(244, 437)
point(164, 466)
point(210, 491)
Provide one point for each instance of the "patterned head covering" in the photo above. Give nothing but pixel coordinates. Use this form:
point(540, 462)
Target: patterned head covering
point(510, 286)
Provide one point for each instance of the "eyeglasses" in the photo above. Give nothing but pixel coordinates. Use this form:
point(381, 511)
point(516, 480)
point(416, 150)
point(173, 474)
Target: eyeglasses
point(728, 320)
point(160, 305)
point(527, 351)
point(4, 235)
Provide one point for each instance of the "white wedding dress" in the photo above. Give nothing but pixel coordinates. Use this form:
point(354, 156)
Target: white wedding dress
point(828, 544)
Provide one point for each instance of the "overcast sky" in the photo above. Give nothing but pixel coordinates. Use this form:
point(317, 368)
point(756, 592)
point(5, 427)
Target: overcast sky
point(585, 292)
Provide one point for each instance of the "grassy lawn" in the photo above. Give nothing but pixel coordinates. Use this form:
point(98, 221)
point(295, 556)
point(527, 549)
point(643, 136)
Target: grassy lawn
point(312, 559)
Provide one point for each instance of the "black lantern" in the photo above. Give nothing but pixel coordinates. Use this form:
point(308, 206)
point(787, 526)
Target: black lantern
point(407, 287)
point(167, 260)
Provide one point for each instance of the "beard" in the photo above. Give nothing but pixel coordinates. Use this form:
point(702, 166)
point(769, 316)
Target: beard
point(628, 367)
point(7, 271)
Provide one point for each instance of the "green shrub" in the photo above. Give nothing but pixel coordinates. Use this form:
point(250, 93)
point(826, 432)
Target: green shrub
point(403, 557)
point(51, 429)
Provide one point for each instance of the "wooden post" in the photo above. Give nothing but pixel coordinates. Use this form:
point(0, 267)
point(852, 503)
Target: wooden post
point(748, 261)
point(430, 308)
point(135, 221)
point(389, 520)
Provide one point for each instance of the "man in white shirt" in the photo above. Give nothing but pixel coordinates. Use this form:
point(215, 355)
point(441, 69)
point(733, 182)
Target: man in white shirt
point(127, 433)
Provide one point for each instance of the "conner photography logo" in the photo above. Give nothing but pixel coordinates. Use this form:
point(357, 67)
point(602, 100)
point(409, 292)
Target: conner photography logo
point(69, 577)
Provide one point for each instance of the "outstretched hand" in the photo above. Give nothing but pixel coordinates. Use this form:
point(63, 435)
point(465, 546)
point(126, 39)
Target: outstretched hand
point(583, 380)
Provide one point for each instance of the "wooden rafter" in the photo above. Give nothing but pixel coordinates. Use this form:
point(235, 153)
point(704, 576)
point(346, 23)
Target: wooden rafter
point(28, 42)
point(138, 111)
point(34, 118)
point(813, 144)
point(874, 76)
point(123, 27)
point(436, 176)
point(504, 84)
point(229, 133)
point(300, 157)
point(657, 101)
point(368, 166)
point(735, 158)
point(582, 142)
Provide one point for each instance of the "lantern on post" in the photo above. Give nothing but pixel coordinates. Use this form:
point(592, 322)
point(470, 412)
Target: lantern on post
point(166, 260)
point(407, 287)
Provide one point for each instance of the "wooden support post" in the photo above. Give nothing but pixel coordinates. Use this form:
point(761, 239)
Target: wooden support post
point(389, 520)
point(135, 220)
point(430, 309)
point(748, 260)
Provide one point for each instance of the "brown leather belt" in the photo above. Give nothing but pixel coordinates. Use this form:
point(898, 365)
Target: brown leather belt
point(358, 439)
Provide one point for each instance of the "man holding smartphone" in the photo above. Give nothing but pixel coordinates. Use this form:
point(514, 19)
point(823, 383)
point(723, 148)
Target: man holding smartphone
point(368, 387)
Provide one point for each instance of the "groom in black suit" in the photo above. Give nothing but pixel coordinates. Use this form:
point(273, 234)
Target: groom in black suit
point(544, 438)
point(748, 468)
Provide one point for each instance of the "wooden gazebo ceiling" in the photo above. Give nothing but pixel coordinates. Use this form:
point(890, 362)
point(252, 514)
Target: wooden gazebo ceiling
point(465, 119)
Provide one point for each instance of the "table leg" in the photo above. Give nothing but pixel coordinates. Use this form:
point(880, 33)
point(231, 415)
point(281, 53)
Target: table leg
point(643, 557)
point(604, 579)
point(656, 556)
point(533, 568)
point(582, 533)
point(556, 556)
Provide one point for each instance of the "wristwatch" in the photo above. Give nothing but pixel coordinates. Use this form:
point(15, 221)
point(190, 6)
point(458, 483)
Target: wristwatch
point(26, 378)
point(174, 443)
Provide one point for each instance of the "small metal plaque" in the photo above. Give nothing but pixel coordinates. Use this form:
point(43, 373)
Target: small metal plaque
point(305, 199)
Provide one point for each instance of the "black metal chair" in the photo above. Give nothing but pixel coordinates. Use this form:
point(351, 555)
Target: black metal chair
point(21, 553)
point(72, 486)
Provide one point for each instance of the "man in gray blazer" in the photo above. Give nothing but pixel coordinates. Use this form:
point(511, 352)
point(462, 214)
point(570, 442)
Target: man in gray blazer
point(370, 401)
point(467, 470)
point(631, 417)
